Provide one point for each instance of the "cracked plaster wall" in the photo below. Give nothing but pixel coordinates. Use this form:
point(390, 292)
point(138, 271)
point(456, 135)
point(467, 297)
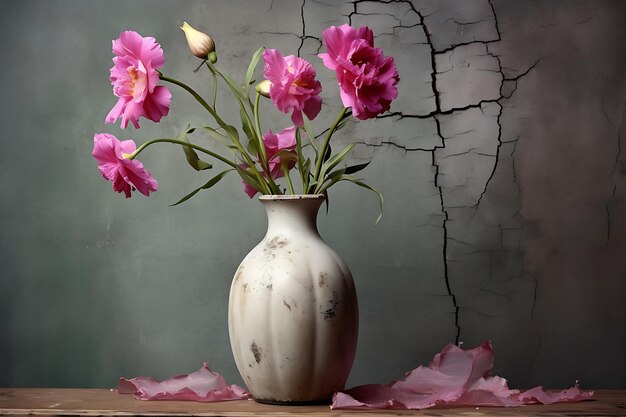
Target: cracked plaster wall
point(500, 163)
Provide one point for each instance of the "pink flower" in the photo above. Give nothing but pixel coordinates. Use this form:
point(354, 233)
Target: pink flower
point(274, 143)
point(134, 78)
point(367, 79)
point(125, 174)
point(294, 87)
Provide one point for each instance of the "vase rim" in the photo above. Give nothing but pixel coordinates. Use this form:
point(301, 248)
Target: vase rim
point(274, 197)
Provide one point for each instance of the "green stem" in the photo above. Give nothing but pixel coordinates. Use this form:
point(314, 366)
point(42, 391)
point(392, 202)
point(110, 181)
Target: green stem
point(328, 184)
point(310, 135)
point(214, 90)
point(299, 156)
point(257, 125)
point(320, 155)
point(198, 148)
point(261, 145)
point(219, 121)
point(233, 88)
point(252, 166)
point(183, 143)
point(195, 95)
point(273, 188)
point(286, 171)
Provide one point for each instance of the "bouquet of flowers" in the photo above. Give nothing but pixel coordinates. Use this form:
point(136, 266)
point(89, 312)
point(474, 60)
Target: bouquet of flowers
point(367, 82)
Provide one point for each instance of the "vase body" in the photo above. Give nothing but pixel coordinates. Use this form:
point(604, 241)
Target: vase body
point(292, 313)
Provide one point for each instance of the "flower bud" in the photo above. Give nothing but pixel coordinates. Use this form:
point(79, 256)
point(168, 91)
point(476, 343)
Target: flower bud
point(263, 88)
point(200, 44)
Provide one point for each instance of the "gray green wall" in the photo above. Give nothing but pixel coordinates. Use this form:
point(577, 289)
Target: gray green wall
point(505, 212)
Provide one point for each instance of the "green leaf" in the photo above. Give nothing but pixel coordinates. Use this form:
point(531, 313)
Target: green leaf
point(360, 183)
point(335, 174)
point(232, 132)
point(335, 160)
point(249, 178)
point(284, 165)
point(327, 201)
point(206, 186)
point(299, 153)
point(307, 174)
point(284, 156)
point(249, 131)
point(310, 135)
point(253, 63)
point(221, 138)
point(329, 152)
point(192, 157)
point(232, 84)
point(343, 177)
point(312, 185)
point(356, 168)
point(342, 124)
point(252, 147)
point(234, 135)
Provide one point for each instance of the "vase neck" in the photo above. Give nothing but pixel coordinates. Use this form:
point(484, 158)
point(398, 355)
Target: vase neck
point(287, 215)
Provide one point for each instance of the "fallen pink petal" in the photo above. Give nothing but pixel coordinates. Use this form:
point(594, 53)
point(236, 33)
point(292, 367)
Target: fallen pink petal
point(455, 377)
point(203, 385)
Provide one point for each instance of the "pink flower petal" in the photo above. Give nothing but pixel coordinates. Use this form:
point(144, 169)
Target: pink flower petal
point(454, 377)
point(249, 190)
point(203, 385)
point(486, 398)
point(312, 107)
point(286, 139)
point(538, 395)
point(296, 118)
point(494, 384)
point(157, 104)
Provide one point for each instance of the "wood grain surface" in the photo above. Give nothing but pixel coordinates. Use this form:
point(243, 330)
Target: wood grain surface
point(103, 402)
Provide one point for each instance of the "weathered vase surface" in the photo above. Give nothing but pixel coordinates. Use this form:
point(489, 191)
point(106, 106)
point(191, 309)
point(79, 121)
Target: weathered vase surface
point(293, 314)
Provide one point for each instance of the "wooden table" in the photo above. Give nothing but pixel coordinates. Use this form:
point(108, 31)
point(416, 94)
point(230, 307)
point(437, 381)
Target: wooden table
point(103, 402)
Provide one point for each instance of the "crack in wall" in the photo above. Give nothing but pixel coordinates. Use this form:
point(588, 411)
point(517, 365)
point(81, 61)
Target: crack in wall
point(498, 117)
point(386, 143)
point(508, 87)
point(303, 27)
point(302, 37)
point(437, 97)
point(431, 115)
point(434, 53)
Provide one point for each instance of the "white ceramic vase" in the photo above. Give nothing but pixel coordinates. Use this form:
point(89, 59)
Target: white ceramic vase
point(292, 313)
